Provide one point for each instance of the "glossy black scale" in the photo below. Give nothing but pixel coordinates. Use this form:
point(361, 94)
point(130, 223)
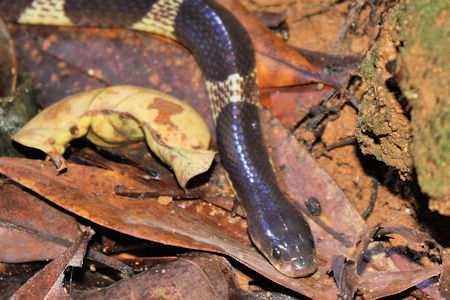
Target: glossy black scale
point(275, 225)
point(216, 38)
point(222, 48)
point(121, 13)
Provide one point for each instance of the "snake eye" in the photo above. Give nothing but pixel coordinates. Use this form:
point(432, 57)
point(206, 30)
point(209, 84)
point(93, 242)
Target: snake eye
point(276, 253)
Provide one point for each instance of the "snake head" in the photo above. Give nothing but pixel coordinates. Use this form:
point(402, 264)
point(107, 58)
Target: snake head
point(286, 241)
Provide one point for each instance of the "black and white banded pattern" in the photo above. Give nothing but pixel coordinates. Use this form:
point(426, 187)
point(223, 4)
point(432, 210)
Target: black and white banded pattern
point(225, 54)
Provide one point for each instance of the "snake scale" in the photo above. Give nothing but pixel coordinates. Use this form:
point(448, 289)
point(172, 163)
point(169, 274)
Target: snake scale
point(225, 54)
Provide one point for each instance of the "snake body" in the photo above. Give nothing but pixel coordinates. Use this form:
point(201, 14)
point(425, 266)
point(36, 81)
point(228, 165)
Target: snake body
point(226, 57)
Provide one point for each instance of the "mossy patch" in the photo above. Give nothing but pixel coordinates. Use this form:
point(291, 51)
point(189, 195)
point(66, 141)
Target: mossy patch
point(424, 62)
point(382, 128)
point(415, 135)
point(15, 110)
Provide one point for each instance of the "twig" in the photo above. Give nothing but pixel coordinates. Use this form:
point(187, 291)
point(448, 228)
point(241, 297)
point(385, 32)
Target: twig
point(373, 197)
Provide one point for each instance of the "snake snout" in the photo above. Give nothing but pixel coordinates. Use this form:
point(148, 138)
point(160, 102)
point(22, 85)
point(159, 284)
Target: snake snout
point(299, 266)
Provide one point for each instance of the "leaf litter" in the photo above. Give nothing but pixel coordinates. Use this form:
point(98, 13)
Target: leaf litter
point(122, 114)
point(327, 218)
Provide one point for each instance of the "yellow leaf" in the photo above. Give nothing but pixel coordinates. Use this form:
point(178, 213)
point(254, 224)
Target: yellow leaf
point(115, 115)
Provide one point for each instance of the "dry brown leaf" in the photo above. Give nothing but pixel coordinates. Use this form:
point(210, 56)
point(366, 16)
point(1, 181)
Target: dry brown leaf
point(212, 275)
point(352, 277)
point(92, 197)
point(30, 229)
point(47, 283)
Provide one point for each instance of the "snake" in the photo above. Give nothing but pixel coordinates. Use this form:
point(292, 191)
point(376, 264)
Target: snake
point(225, 54)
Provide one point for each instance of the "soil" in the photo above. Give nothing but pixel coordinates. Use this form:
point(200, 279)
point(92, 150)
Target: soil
point(333, 27)
point(362, 164)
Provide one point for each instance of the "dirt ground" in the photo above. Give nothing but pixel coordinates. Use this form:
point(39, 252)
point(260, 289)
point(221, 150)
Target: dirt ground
point(330, 27)
point(373, 166)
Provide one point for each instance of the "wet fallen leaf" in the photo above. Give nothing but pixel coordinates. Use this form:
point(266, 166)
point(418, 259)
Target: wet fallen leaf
point(93, 198)
point(58, 79)
point(374, 285)
point(278, 64)
point(431, 286)
point(351, 277)
point(30, 229)
point(281, 65)
point(47, 283)
point(121, 114)
point(340, 233)
point(212, 276)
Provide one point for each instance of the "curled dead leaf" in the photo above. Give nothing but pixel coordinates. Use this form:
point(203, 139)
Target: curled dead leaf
point(47, 283)
point(351, 276)
point(115, 115)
